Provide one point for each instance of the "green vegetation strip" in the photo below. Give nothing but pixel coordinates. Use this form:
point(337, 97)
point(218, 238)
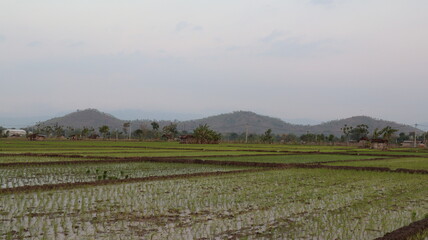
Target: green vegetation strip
point(408, 163)
point(291, 158)
point(10, 146)
point(180, 154)
point(275, 204)
point(89, 160)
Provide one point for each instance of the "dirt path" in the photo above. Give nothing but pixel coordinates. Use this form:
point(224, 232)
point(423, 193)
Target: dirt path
point(408, 231)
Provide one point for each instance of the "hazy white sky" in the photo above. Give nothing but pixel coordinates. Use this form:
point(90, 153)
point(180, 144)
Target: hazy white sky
point(319, 59)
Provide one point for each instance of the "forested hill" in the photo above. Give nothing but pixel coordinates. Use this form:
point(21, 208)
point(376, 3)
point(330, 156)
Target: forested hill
point(334, 127)
point(86, 118)
point(238, 122)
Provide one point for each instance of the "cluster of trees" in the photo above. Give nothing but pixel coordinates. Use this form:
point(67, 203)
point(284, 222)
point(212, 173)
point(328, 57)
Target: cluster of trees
point(361, 132)
point(203, 134)
point(1, 132)
point(269, 137)
point(350, 133)
point(57, 130)
point(168, 132)
point(411, 136)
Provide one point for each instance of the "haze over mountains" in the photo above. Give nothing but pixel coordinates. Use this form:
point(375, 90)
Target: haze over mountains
point(238, 121)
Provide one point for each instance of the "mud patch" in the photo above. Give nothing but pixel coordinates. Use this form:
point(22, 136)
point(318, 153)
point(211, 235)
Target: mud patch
point(407, 231)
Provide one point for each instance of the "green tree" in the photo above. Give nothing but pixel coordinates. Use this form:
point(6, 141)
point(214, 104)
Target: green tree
point(170, 131)
point(48, 130)
point(289, 138)
point(267, 136)
point(155, 125)
point(309, 137)
point(203, 134)
point(387, 132)
point(139, 133)
point(1, 131)
point(402, 137)
point(346, 131)
point(85, 132)
point(376, 133)
point(359, 132)
point(104, 130)
point(233, 136)
point(58, 130)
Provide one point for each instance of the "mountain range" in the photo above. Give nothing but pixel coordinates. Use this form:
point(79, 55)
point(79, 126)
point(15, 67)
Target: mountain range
point(238, 121)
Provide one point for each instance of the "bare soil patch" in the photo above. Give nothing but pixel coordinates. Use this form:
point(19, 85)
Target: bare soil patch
point(407, 231)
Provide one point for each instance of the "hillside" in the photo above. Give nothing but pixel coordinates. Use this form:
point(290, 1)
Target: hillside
point(237, 122)
point(86, 118)
point(333, 127)
point(240, 120)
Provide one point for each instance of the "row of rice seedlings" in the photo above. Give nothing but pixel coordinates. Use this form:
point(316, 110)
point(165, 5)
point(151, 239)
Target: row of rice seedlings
point(11, 177)
point(290, 204)
point(28, 159)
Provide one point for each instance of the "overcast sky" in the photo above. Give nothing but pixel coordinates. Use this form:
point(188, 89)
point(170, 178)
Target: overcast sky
point(316, 59)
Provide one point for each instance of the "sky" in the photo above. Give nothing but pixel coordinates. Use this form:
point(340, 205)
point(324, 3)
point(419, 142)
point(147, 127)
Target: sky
point(291, 59)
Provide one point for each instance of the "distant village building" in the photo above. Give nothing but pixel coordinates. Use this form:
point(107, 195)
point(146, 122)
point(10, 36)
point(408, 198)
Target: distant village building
point(380, 144)
point(187, 139)
point(411, 143)
point(407, 143)
point(364, 142)
point(75, 137)
point(36, 137)
point(94, 136)
point(14, 132)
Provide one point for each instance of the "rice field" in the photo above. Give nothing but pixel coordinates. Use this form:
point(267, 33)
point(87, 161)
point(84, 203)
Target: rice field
point(293, 158)
point(157, 190)
point(22, 176)
point(408, 163)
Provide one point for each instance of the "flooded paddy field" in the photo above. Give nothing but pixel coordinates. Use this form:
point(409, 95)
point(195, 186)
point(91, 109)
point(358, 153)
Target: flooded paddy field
point(139, 190)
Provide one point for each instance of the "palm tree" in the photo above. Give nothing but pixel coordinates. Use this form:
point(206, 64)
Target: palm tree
point(376, 133)
point(388, 132)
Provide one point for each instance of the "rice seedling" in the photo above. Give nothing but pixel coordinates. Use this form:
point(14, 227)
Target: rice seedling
point(293, 204)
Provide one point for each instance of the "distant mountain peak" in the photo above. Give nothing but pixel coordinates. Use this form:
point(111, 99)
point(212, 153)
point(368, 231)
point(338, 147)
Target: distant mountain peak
point(86, 118)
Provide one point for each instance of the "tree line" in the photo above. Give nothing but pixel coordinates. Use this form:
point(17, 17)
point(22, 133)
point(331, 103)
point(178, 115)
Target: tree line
point(203, 133)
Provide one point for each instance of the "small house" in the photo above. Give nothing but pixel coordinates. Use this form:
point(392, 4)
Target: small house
point(94, 136)
point(380, 144)
point(14, 132)
point(36, 137)
point(411, 143)
point(187, 139)
point(407, 143)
